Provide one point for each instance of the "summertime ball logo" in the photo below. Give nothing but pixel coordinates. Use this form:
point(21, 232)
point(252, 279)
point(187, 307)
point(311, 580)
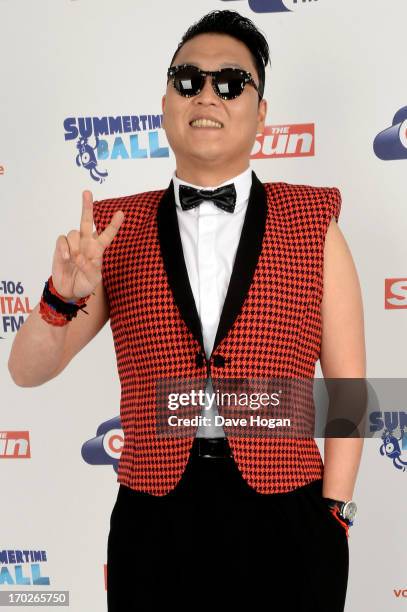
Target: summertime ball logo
point(393, 428)
point(98, 139)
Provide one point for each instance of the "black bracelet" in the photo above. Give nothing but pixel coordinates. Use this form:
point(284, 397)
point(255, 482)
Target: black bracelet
point(68, 309)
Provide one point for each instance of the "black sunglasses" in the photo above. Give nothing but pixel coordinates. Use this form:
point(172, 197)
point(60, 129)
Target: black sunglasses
point(227, 83)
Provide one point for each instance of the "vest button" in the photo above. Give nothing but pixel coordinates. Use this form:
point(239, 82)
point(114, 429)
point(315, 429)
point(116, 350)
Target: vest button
point(199, 360)
point(219, 361)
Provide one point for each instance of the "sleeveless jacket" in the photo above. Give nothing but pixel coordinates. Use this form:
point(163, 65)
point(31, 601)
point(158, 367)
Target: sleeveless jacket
point(270, 325)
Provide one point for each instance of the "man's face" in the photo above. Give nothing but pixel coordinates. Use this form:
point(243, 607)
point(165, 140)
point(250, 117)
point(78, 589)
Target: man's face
point(241, 118)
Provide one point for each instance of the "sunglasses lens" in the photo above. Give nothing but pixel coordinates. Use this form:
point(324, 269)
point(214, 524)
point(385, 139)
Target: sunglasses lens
point(229, 84)
point(188, 81)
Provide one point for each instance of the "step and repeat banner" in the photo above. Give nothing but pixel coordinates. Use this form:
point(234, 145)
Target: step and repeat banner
point(81, 87)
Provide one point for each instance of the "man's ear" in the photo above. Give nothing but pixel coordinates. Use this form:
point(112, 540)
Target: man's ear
point(261, 116)
point(163, 108)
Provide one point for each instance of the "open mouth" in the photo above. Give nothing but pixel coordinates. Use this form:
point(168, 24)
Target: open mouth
point(206, 123)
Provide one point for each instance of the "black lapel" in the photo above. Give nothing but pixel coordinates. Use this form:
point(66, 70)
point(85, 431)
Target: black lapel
point(174, 262)
point(247, 256)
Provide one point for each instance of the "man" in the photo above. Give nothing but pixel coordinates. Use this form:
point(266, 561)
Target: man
point(217, 277)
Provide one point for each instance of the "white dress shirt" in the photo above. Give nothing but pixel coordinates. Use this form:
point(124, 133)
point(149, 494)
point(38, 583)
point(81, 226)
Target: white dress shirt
point(209, 238)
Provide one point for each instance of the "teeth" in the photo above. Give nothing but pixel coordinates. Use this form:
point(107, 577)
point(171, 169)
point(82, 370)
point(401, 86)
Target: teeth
point(205, 123)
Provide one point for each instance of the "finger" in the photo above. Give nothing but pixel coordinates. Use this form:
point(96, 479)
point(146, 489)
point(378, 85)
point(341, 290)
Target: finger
point(93, 273)
point(62, 249)
point(86, 226)
point(110, 231)
point(73, 239)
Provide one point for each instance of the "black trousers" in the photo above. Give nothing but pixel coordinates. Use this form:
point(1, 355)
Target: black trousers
point(214, 541)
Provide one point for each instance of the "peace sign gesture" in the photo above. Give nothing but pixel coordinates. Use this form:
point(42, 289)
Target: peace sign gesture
point(77, 262)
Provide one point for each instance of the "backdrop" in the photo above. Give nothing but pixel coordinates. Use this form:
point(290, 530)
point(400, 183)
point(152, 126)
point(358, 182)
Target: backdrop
point(337, 117)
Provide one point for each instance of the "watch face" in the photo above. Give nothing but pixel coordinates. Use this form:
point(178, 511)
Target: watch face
point(349, 510)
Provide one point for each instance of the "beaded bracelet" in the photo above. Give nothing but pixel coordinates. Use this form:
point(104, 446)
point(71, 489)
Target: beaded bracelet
point(55, 309)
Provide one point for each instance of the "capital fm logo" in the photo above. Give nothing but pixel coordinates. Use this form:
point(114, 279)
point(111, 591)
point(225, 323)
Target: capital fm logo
point(13, 306)
point(395, 293)
point(391, 143)
point(111, 138)
point(106, 447)
point(275, 6)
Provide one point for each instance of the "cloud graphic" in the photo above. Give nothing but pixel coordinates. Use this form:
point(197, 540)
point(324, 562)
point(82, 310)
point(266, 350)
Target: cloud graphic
point(105, 448)
point(391, 143)
point(266, 6)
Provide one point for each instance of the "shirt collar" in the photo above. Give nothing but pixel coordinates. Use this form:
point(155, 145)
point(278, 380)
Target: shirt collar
point(243, 184)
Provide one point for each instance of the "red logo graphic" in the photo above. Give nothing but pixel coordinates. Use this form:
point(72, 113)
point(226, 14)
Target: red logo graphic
point(15, 445)
point(296, 140)
point(395, 293)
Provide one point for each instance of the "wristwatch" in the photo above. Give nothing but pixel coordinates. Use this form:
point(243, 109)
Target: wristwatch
point(347, 509)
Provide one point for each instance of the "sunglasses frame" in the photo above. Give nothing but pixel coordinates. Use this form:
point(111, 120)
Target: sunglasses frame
point(246, 78)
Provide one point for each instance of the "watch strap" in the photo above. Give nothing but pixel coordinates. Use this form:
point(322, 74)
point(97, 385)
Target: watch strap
point(339, 505)
point(345, 523)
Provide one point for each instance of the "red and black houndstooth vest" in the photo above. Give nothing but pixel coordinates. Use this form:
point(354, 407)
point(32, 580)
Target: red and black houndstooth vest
point(270, 325)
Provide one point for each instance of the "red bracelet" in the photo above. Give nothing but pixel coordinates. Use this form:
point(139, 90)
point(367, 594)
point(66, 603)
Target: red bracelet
point(57, 310)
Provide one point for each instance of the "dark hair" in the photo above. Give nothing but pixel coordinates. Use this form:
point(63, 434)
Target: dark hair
point(242, 28)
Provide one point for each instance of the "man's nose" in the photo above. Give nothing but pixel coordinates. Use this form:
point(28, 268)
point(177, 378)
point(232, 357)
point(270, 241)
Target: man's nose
point(207, 93)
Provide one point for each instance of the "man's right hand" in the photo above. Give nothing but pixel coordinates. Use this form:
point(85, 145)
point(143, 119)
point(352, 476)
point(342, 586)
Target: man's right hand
point(77, 262)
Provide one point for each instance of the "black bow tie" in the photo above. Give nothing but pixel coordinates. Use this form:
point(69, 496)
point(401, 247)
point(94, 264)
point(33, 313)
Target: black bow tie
point(223, 197)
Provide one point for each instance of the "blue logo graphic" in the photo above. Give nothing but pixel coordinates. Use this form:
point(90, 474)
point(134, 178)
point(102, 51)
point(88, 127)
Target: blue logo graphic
point(273, 6)
point(391, 448)
point(391, 143)
point(106, 447)
point(268, 6)
point(22, 566)
point(112, 138)
point(87, 159)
